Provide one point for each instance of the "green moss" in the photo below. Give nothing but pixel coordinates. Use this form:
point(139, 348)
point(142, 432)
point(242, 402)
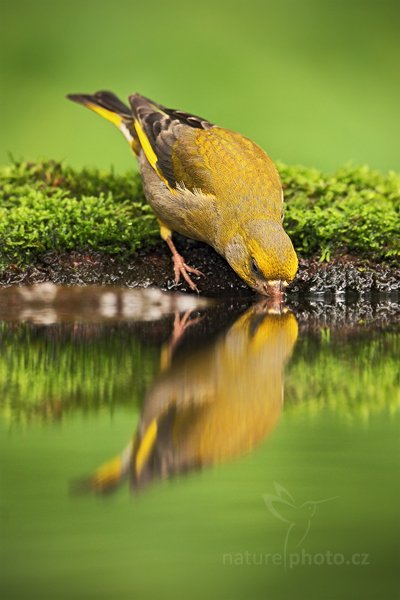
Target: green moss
point(49, 206)
point(355, 210)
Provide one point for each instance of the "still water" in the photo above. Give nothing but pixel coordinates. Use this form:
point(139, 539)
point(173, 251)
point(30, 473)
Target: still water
point(164, 446)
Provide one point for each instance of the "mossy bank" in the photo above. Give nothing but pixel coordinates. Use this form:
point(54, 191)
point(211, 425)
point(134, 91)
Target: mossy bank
point(87, 226)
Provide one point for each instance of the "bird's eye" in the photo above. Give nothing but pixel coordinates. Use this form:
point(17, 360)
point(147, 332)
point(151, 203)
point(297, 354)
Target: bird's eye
point(254, 266)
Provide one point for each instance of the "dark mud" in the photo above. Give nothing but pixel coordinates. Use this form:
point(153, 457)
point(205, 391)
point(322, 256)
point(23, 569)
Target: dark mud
point(345, 276)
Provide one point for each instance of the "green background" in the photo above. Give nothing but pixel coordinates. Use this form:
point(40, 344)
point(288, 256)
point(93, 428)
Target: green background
point(314, 82)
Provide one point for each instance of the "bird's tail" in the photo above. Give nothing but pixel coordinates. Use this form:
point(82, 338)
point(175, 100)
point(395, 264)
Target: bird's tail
point(133, 460)
point(109, 106)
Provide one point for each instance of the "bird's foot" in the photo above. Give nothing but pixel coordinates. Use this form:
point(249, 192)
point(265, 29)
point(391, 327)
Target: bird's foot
point(181, 269)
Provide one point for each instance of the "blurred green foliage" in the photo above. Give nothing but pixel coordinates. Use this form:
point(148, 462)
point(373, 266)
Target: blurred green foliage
point(48, 206)
point(48, 373)
point(313, 82)
point(356, 376)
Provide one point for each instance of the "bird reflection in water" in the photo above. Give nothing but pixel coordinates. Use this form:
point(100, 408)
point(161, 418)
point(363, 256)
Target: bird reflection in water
point(209, 405)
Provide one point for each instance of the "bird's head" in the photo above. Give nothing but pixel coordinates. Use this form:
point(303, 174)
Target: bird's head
point(262, 254)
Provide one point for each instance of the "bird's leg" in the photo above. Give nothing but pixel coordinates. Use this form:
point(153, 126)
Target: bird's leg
point(180, 267)
point(180, 326)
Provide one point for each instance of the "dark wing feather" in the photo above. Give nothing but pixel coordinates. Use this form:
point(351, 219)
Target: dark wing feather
point(163, 126)
point(112, 102)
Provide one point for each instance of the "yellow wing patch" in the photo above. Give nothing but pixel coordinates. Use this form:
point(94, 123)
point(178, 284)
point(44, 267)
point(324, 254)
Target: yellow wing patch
point(149, 152)
point(146, 146)
point(146, 446)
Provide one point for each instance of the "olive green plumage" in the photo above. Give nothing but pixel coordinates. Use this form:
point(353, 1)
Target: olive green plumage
point(207, 183)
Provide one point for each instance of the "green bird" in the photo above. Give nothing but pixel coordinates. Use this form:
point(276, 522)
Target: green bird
point(209, 184)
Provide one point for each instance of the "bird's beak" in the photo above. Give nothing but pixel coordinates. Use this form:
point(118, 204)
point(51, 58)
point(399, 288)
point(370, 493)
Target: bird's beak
point(273, 289)
point(274, 292)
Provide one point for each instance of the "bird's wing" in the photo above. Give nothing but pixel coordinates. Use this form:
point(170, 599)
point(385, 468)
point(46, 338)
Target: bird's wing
point(161, 131)
point(187, 150)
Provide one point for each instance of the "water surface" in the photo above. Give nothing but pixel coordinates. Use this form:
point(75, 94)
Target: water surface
point(154, 445)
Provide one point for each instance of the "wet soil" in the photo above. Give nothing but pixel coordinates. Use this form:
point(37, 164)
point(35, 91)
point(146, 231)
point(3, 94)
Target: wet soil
point(345, 276)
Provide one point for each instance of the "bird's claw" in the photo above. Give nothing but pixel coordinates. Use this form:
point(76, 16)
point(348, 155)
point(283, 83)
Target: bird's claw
point(182, 269)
